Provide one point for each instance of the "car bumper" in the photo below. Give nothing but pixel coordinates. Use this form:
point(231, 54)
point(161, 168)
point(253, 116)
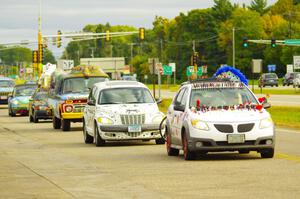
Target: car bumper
point(43, 114)
point(120, 132)
point(72, 116)
point(20, 110)
point(270, 83)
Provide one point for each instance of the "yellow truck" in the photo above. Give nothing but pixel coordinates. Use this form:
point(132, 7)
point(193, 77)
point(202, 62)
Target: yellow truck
point(69, 91)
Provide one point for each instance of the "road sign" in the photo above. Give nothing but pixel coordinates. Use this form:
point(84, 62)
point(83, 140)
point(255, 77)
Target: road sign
point(256, 65)
point(173, 65)
point(296, 62)
point(271, 67)
point(167, 70)
point(289, 68)
point(189, 71)
point(200, 70)
point(152, 63)
point(292, 41)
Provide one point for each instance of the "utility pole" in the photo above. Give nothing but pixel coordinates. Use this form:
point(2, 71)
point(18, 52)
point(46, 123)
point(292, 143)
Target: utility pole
point(194, 46)
point(40, 42)
point(131, 56)
point(233, 47)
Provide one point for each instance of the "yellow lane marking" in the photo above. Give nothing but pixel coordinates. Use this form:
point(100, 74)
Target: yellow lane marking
point(287, 157)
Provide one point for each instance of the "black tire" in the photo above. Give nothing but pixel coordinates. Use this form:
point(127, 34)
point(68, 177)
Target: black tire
point(160, 141)
point(35, 119)
point(188, 155)
point(87, 138)
point(267, 153)
point(276, 85)
point(244, 151)
point(56, 122)
point(9, 112)
point(30, 118)
point(12, 114)
point(98, 140)
point(264, 85)
point(283, 84)
point(171, 151)
point(65, 125)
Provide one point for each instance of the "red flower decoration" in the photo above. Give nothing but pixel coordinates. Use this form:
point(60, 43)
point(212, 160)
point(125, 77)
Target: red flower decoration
point(198, 103)
point(259, 107)
point(261, 99)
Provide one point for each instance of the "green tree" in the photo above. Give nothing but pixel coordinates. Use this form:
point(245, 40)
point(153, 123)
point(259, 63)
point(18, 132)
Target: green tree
point(258, 6)
point(48, 57)
point(222, 10)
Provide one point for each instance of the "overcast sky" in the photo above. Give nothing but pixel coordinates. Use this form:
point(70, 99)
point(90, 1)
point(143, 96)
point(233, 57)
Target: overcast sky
point(19, 18)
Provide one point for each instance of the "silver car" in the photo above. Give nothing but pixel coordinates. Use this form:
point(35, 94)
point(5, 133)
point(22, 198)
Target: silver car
point(296, 81)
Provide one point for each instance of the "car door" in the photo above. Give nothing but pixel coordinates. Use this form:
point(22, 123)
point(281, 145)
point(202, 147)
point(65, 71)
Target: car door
point(89, 110)
point(175, 122)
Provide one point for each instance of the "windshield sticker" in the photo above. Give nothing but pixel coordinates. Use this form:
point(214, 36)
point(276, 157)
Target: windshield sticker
point(217, 85)
point(246, 106)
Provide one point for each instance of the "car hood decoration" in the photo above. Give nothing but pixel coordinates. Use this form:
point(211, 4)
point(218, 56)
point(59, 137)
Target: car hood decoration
point(227, 72)
point(6, 89)
point(22, 99)
point(74, 96)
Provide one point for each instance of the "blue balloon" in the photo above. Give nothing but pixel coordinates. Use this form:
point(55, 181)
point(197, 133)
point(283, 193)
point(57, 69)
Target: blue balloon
point(235, 71)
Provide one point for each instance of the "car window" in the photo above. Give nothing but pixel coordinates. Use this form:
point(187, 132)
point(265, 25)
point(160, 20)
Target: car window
point(184, 98)
point(179, 96)
point(271, 75)
point(92, 93)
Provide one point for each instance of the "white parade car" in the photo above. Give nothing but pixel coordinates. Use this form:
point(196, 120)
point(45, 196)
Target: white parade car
point(296, 81)
point(121, 110)
point(215, 115)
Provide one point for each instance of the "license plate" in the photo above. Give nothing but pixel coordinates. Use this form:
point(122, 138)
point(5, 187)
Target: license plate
point(134, 128)
point(235, 138)
point(3, 97)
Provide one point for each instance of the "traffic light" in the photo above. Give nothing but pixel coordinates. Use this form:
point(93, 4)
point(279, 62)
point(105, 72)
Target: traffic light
point(58, 41)
point(195, 59)
point(273, 42)
point(41, 53)
point(35, 56)
point(245, 42)
point(107, 36)
point(142, 34)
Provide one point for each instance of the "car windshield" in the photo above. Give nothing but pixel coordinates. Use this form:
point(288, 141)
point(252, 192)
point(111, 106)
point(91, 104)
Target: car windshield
point(41, 96)
point(271, 75)
point(6, 83)
point(24, 90)
point(222, 97)
point(125, 96)
point(80, 84)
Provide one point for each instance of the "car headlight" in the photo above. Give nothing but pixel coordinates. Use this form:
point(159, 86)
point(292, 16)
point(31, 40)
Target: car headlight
point(198, 124)
point(157, 119)
point(265, 123)
point(104, 120)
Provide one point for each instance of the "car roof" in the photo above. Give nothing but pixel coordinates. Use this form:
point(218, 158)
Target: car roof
point(119, 84)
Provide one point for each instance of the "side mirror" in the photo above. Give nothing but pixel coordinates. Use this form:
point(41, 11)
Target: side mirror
point(158, 101)
point(91, 103)
point(179, 108)
point(266, 105)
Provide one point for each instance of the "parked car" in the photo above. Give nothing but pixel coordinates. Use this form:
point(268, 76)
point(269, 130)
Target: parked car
point(213, 116)
point(288, 79)
point(6, 88)
point(38, 106)
point(19, 100)
point(268, 79)
point(296, 80)
point(121, 110)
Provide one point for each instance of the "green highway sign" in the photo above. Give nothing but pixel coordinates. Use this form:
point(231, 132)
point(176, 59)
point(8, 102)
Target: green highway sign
point(292, 41)
point(189, 71)
point(167, 70)
point(200, 70)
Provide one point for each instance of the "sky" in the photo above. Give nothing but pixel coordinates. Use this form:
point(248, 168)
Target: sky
point(19, 18)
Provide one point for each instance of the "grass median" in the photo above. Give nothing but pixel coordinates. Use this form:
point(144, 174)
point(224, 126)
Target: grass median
point(282, 116)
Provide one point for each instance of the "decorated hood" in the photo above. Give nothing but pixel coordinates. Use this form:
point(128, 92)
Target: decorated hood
point(6, 89)
point(21, 99)
point(74, 96)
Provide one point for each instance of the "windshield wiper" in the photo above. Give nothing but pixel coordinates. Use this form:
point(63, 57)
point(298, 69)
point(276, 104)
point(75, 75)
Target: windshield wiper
point(110, 103)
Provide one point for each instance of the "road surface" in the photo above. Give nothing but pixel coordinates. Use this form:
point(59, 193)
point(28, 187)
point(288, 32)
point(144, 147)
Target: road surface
point(37, 161)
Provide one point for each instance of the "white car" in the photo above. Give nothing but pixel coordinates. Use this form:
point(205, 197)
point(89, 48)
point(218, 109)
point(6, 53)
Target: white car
point(296, 81)
point(121, 110)
point(212, 116)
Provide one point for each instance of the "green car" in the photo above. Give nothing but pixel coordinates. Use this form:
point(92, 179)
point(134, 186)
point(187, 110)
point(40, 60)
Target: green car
point(19, 100)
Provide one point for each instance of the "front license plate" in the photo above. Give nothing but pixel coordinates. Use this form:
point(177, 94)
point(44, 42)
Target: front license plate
point(235, 138)
point(134, 128)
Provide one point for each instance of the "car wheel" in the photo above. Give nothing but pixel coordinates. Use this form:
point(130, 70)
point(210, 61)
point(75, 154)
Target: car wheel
point(263, 85)
point(283, 84)
point(12, 114)
point(98, 140)
point(87, 138)
point(65, 125)
point(171, 151)
point(188, 155)
point(243, 151)
point(276, 85)
point(56, 122)
point(35, 119)
point(30, 118)
point(160, 141)
point(9, 112)
point(267, 153)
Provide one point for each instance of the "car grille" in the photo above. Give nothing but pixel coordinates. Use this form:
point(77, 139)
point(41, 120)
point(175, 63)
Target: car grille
point(133, 119)
point(134, 135)
point(78, 108)
point(222, 143)
point(224, 128)
point(4, 93)
point(242, 128)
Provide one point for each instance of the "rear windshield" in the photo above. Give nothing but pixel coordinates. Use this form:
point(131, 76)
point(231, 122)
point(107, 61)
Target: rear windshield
point(41, 96)
point(80, 84)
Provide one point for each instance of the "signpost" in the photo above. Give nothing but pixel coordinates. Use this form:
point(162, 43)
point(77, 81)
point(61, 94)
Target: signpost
point(173, 65)
point(256, 68)
point(200, 71)
point(296, 63)
point(152, 63)
point(167, 70)
point(289, 68)
point(189, 71)
point(271, 68)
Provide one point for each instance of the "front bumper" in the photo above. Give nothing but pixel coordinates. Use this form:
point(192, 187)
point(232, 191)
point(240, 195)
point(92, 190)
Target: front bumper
point(72, 116)
point(43, 114)
point(120, 132)
point(210, 145)
point(20, 110)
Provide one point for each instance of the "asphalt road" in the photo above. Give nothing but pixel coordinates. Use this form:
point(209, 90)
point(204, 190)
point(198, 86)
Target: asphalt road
point(37, 161)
